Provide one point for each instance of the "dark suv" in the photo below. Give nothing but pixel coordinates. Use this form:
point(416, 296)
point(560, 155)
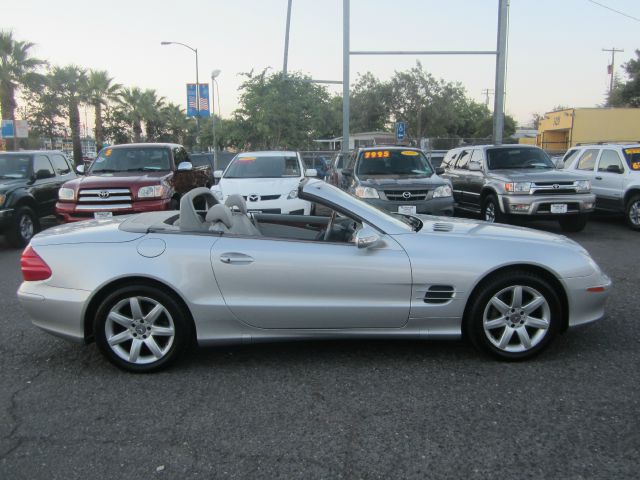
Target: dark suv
point(29, 183)
point(397, 179)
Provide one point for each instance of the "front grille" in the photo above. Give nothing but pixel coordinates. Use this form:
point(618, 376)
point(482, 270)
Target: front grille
point(107, 199)
point(438, 294)
point(262, 198)
point(406, 195)
point(553, 188)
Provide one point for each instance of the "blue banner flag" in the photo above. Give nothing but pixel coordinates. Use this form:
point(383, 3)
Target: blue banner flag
point(7, 129)
point(192, 109)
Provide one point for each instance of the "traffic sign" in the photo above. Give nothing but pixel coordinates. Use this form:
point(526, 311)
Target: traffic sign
point(400, 131)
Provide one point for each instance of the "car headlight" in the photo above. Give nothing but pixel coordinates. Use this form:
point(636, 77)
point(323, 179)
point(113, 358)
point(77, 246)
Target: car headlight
point(65, 194)
point(518, 187)
point(583, 186)
point(367, 192)
point(442, 191)
point(292, 194)
point(152, 191)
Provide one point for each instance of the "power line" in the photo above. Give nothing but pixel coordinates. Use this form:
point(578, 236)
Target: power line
point(617, 11)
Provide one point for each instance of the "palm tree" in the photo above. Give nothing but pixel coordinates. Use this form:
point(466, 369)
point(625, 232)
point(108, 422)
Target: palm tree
point(175, 122)
point(71, 84)
point(100, 90)
point(151, 108)
point(16, 65)
point(130, 102)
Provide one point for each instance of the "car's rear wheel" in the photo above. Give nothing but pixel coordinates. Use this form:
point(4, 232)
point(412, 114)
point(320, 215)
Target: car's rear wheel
point(491, 210)
point(25, 226)
point(141, 328)
point(514, 316)
point(632, 212)
point(573, 223)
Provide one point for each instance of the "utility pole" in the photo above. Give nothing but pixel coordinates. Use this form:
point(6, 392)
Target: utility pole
point(486, 92)
point(501, 69)
point(286, 41)
point(613, 51)
point(345, 75)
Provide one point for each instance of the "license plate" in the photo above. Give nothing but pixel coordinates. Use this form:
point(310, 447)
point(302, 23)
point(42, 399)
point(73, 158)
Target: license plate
point(100, 215)
point(407, 209)
point(558, 208)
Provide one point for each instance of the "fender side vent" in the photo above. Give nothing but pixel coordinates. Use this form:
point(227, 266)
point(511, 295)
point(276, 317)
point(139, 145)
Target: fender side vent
point(442, 227)
point(438, 294)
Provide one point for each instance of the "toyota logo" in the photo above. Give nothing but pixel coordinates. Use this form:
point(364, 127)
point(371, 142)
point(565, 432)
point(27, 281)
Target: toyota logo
point(253, 197)
point(103, 194)
point(555, 185)
point(406, 195)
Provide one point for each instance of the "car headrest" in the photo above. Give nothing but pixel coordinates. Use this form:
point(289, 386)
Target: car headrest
point(220, 213)
point(190, 219)
point(236, 200)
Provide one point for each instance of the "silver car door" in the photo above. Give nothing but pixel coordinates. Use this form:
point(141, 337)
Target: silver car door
point(278, 283)
point(608, 180)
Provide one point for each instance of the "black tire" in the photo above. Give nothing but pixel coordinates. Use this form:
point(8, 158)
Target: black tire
point(173, 317)
point(25, 226)
point(632, 212)
point(540, 325)
point(491, 210)
point(573, 223)
point(174, 204)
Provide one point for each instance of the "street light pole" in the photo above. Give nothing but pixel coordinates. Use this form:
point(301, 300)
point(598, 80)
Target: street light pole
point(194, 50)
point(214, 74)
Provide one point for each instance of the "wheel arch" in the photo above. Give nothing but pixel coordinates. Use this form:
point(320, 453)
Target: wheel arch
point(108, 288)
point(24, 199)
point(527, 267)
point(630, 193)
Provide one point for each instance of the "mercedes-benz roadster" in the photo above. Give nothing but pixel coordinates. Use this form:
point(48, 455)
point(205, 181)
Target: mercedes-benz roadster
point(147, 287)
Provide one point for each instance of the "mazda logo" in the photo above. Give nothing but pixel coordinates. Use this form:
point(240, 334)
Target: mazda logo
point(555, 185)
point(253, 197)
point(406, 194)
point(104, 194)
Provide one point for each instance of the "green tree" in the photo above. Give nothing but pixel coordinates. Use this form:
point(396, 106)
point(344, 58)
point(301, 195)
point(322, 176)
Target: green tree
point(130, 105)
point(369, 104)
point(100, 91)
point(173, 125)
point(117, 126)
point(70, 83)
point(16, 66)
point(44, 107)
point(151, 109)
point(627, 94)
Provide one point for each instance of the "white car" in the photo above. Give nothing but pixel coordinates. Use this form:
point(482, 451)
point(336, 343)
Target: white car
point(268, 181)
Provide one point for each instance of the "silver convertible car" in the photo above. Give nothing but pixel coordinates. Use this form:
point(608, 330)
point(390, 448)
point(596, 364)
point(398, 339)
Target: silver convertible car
point(147, 287)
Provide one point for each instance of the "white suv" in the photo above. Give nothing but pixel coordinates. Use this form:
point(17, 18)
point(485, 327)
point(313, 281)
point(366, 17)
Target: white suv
point(268, 181)
point(614, 171)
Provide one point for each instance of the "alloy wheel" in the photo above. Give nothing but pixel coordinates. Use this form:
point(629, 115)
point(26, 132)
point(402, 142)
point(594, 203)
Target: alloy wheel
point(490, 212)
point(26, 227)
point(139, 330)
point(516, 319)
point(634, 213)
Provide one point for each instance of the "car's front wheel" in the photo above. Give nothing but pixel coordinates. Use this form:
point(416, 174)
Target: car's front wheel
point(25, 226)
point(632, 212)
point(491, 210)
point(141, 328)
point(514, 316)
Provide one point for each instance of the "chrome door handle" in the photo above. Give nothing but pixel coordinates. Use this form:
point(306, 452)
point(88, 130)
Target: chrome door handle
point(239, 258)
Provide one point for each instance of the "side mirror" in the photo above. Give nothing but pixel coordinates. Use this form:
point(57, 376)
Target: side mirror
point(42, 174)
point(475, 167)
point(185, 166)
point(614, 169)
point(347, 172)
point(310, 172)
point(217, 174)
point(439, 170)
point(367, 237)
point(80, 169)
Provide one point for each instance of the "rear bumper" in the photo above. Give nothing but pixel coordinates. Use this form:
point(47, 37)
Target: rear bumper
point(58, 311)
point(587, 306)
point(540, 205)
point(434, 206)
point(69, 212)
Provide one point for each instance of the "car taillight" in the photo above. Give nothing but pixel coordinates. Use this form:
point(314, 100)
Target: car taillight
point(33, 267)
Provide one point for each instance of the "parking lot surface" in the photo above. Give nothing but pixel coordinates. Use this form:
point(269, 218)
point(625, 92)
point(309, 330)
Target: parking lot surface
point(332, 409)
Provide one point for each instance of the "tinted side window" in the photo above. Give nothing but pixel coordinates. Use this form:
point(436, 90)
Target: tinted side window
point(60, 164)
point(588, 160)
point(340, 161)
point(463, 160)
point(476, 156)
point(569, 157)
point(449, 159)
point(609, 158)
point(41, 162)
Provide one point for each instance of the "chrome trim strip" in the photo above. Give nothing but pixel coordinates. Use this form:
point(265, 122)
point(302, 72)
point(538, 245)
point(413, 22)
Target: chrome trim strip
point(118, 206)
point(112, 191)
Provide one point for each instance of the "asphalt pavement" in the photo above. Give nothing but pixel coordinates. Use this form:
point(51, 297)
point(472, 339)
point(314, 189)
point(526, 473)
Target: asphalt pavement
point(352, 409)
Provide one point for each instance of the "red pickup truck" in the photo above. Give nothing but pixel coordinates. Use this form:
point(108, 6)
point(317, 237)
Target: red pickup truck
point(130, 179)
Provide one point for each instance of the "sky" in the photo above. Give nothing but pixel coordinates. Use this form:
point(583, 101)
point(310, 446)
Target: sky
point(555, 47)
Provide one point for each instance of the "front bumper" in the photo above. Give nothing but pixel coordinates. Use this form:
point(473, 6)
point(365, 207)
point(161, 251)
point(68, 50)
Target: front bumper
point(295, 206)
point(540, 205)
point(442, 206)
point(59, 311)
point(6, 218)
point(74, 212)
point(587, 306)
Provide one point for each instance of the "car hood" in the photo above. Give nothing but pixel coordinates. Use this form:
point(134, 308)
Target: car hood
point(258, 186)
point(401, 181)
point(118, 180)
point(87, 231)
point(534, 175)
point(7, 185)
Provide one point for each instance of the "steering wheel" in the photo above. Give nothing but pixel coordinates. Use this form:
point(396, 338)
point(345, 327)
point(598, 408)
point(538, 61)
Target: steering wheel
point(327, 232)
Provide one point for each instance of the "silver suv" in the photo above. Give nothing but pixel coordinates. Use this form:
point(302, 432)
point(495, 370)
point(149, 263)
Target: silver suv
point(508, 181)
point(614, 172)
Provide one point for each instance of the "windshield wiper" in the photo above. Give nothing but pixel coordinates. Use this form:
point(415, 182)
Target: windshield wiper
point(106, 170)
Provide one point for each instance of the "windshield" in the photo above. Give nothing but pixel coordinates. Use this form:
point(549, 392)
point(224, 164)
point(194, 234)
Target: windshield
point(133, 159)
point(633, 158)
point(393, 162)
point(263, 166)
point(503, 158)
point(14, 166)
